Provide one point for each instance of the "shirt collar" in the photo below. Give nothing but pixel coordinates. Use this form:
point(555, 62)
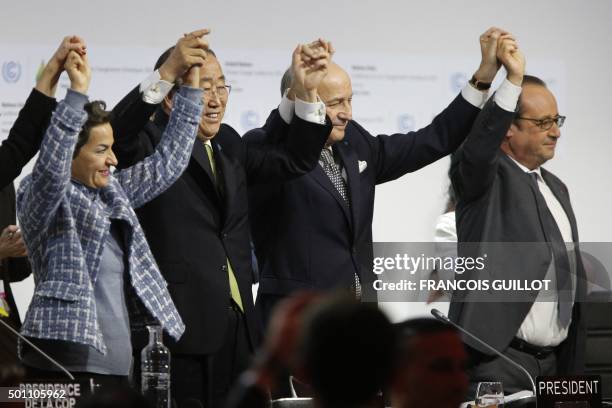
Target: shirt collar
point(537, 170)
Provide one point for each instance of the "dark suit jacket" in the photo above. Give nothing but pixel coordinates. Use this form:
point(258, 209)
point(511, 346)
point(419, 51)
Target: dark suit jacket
point(306, 237)
point(192, 228)
point(496, 203)
point(16, 151)
point(25, 136)
point(11, 269)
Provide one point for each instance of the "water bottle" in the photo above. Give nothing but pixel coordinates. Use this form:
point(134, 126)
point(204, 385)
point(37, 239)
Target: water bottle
point(155, 370)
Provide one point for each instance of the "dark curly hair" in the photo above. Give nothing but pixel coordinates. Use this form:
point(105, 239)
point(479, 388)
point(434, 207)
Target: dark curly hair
point(96, 115)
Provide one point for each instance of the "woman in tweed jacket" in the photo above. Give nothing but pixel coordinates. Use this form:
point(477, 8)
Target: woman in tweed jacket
point(94, 272)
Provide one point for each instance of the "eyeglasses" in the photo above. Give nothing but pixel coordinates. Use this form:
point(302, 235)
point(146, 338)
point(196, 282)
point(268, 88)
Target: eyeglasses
point(222, 91)
point(546, 123)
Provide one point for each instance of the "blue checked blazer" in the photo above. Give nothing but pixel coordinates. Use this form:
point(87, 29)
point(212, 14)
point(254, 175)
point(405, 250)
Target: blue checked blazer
point(65, 225)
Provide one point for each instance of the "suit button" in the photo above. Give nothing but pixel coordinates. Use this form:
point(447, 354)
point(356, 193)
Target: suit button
point(224, 268)
point(224, 235)
point(354, 251)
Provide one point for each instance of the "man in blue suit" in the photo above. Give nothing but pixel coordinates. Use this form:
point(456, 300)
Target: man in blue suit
point(315, 231)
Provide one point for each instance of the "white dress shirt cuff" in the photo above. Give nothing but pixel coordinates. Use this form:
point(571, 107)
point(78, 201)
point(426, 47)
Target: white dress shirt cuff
point(474, 96)
point(310, 112)
point(285, 109)
point(154, 89)
point(507, 96)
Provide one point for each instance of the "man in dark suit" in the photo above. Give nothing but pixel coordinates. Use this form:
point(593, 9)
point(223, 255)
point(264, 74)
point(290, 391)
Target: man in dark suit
point(504, 196)
point(315, 232)
point(198, 229)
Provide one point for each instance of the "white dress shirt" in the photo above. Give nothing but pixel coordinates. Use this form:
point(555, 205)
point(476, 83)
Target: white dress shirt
point(541, 325)
point(311, 112)
point(154, 89)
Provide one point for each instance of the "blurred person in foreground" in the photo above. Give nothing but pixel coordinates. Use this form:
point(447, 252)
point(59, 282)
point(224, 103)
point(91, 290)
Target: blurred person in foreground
point(429, 365)
point(338, 347)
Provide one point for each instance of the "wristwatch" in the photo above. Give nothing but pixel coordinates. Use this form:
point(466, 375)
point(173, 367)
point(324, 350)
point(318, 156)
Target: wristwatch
point(481, 86)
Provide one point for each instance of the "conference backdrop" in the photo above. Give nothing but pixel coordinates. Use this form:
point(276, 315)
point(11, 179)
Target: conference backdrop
point(407, 61)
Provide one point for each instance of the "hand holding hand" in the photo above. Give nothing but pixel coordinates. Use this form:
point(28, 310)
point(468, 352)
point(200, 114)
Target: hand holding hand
point(47, 82)
point(489, 64)
point(512, 58)
point(188, 52)
point(11, 243)
point(285, 330)
point(79, 72)
point(309, 65)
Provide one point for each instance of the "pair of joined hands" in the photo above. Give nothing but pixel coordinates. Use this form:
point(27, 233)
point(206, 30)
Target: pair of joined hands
point(309, 64)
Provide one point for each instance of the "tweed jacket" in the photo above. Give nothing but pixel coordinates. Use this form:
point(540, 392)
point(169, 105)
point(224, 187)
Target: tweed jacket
point(65, 225)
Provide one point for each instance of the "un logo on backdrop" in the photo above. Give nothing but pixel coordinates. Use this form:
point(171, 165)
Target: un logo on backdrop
point(11, 71)
point(458, 81)
point(405, 123)
point(249, 119)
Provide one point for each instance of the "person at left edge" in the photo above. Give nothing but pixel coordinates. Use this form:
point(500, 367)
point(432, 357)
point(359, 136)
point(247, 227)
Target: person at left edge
point(199, 228)
point(17, 149)
point(95, 274)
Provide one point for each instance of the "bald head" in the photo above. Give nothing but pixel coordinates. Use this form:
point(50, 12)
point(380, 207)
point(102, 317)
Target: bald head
point(336, 92)
point(336, 78)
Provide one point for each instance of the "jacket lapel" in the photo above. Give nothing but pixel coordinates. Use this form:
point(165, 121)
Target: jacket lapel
point(563, 200)
point(350, 164)
point(526, 178)
point(226, 176)
point(318, 174)
point(200, 156)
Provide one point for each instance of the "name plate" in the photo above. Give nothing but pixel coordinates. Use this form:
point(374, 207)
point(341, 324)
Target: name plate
point(577, 391)
point(46, 394)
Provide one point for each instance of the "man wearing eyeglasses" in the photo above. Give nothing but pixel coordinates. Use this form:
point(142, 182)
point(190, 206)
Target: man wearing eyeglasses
point(198, 229)
point(505, 196)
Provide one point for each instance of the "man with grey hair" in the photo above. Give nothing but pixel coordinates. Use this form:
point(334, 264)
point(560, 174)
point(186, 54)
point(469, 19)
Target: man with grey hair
point(316, 231)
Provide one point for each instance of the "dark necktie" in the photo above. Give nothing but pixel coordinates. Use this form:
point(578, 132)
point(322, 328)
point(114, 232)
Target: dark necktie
point(333, 172)
point(559, 250)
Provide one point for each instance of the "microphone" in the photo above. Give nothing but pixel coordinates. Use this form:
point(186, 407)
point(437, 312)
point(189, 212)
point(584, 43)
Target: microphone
point(442, 317)
point(42, 353)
